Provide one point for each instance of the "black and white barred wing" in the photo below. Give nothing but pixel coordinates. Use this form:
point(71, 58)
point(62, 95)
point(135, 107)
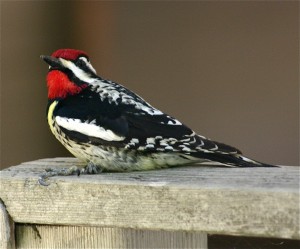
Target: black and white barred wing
point(87, 118)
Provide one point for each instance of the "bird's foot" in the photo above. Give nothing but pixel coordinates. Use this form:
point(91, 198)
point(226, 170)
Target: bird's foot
point(74, 170)
point(57, 172)
point(91, 169)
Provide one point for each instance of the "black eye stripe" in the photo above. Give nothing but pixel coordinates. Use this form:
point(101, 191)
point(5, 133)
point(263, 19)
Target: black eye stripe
point(83, 65)
point(80, 63)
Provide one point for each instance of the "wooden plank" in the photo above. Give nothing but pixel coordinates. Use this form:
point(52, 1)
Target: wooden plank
point(43, 236)
point(235, 201)
point(7, 232)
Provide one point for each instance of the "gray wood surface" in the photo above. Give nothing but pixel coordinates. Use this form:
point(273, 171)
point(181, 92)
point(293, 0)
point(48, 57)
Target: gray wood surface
point(7, 232)
point(236, 201)
point(62, 237)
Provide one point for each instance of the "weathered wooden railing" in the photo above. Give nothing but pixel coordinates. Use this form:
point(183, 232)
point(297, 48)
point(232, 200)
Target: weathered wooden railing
point(169, 208)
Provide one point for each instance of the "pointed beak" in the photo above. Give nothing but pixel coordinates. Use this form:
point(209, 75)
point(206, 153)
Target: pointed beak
point(52, 61)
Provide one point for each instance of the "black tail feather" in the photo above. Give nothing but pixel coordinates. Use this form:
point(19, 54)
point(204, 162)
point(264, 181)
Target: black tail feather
point(236, 160)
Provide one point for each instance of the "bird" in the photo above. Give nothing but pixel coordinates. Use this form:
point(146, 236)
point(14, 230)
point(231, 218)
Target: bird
point(110, 128)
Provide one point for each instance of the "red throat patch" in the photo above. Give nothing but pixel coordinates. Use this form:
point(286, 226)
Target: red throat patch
point(68, 53)
point(59, 85)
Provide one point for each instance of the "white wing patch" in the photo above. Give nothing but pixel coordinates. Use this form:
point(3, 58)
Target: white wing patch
point(89, 129)
point(173, 121)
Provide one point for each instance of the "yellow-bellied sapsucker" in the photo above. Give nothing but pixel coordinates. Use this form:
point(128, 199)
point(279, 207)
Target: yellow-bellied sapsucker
point(111, 128)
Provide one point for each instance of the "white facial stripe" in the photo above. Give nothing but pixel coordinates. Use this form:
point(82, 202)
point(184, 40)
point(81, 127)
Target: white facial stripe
point(89, 65)
point(88, 129)
point(80, 74)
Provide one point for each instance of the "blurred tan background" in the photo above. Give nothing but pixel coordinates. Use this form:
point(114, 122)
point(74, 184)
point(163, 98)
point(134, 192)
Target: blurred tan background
point(229, 70)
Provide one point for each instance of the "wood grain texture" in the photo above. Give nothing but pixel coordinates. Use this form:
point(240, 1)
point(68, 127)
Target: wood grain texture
point(260, 202)
point(7, 232)
point(62, 237)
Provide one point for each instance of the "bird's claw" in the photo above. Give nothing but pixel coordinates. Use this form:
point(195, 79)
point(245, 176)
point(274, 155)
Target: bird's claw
point(89, 169)
point(43, 181)
point(57, 172)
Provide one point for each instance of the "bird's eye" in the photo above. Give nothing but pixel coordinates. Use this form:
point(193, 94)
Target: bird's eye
point(80, 62)
point(84, 63)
